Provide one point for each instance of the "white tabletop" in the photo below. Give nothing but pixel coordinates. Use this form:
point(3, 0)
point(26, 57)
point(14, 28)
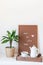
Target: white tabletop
point(12, 61)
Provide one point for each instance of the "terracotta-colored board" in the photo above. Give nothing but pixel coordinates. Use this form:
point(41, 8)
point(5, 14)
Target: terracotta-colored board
point(28, 37)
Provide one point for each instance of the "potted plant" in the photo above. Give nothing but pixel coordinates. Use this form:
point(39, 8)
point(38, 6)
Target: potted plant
point(10, 37)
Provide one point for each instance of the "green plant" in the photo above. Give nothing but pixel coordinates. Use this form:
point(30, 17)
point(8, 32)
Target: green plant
point(10, 37)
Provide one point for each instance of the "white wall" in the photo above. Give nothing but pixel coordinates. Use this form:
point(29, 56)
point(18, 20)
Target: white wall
point(15, 12)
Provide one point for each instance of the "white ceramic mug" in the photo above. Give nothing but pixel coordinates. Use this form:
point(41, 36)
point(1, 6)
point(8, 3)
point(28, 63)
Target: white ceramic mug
point(24, 54)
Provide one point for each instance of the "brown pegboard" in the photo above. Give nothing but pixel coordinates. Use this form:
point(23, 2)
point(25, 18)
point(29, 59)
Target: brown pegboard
point(28, 37)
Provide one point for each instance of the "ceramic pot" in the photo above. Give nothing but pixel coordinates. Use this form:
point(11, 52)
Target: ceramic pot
point(10, 51)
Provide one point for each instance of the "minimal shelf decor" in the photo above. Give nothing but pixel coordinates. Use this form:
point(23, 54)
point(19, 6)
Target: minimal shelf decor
point(28, 37)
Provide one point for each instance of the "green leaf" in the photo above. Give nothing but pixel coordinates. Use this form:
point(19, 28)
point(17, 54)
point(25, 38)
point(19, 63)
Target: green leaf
point(13, 33)
point(5, 41)
point(5, 37)
point(8, 34)
point(16, 38)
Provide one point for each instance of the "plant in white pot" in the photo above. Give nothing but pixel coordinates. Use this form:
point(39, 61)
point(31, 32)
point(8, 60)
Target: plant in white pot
point(10, 37)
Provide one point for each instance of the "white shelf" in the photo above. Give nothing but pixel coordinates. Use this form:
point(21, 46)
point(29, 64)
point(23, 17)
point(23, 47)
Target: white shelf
point(12, 61)
point(4, 58)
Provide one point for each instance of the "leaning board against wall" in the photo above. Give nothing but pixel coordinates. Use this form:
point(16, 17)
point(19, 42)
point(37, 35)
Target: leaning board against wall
point(28, 37)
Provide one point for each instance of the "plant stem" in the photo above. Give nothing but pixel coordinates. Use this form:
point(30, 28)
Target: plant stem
point(11, 44)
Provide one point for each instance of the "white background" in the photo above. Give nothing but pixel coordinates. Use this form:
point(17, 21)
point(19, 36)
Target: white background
point(16, 12)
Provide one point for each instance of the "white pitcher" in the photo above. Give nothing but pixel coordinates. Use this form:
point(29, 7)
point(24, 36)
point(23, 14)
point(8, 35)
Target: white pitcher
point(33, 51)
